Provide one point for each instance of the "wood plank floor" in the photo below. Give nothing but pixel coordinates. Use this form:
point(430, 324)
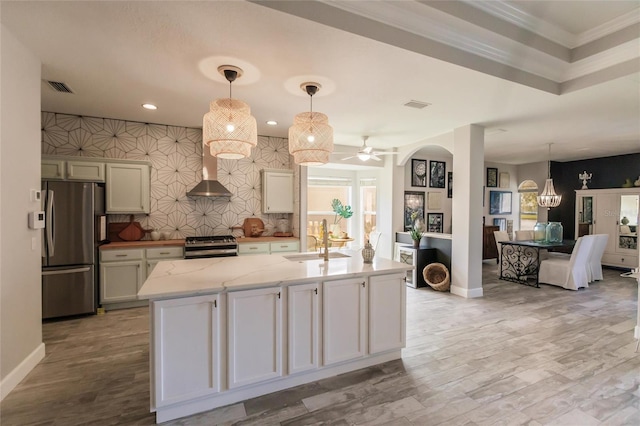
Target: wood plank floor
point(518, 355)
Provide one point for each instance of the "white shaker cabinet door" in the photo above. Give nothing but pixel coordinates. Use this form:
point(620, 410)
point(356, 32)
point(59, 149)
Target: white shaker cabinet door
point(303, 316)
point(343, 321)
point(277, 191)
point(186, 361)
point(255, 336)
point(127, 188)
point(121, 281)
point(387, 312)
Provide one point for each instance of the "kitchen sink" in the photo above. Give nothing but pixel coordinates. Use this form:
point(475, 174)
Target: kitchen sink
point(313, 256)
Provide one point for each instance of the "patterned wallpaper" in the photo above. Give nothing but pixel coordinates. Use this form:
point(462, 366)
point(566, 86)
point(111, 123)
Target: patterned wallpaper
point(175, 154)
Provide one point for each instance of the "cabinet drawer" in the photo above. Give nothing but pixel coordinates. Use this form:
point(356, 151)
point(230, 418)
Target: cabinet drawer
point(165, 253)
point(285, 246)
point(623, 260)
point(118, 255)
point(253, 248)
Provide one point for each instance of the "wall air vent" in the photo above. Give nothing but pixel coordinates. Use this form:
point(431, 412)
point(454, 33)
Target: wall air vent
point(417, 104)
point(59, 86)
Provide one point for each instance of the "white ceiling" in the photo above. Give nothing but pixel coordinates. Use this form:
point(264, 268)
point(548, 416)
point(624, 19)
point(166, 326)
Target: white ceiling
point(470, 67)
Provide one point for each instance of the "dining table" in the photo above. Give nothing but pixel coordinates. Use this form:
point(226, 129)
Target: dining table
point(520, 260)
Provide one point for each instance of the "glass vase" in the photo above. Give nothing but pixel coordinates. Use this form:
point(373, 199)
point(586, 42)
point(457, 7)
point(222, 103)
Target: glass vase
point(554, 232)
point(540, 232)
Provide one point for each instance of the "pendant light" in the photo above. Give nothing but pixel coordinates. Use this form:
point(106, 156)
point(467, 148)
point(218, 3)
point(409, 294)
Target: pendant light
point(229, 129)
point(548, 198)
point(310, 137)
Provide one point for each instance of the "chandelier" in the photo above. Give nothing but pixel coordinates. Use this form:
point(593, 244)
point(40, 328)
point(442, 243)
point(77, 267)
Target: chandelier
point(310, 136)
point(229, 129)
point(548, 198)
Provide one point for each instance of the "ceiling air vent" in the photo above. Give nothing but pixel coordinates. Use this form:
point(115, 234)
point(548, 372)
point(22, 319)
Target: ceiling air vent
point(417, 104)
point(59, 86)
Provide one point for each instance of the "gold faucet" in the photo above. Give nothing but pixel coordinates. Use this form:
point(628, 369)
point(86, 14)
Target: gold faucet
point(325, 241)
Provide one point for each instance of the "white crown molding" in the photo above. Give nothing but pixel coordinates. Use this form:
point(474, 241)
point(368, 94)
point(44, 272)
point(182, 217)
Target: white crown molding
point(515, 16)
point(616, 24)
point(442, 27)
point(616, 55)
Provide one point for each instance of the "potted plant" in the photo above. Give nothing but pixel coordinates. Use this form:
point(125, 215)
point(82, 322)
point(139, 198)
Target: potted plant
point(416, 236)
point(341, 211)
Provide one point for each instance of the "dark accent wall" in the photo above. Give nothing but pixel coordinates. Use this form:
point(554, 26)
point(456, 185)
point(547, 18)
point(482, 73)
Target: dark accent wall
point(607, 172)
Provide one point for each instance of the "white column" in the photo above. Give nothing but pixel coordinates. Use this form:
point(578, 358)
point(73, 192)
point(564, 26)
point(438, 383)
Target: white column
point(466, 244)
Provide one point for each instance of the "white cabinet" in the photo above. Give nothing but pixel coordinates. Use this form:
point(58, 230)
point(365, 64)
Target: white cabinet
point(614, 212)
point(253, 248)
point(88, 170)
point(255, 336)
point(387, 312)
point(52, 168)
point(127, 188)
point(277, 191)
point(155, 255)
point(85, 171)
point(268, 247)
point(344, 314)
point(303, 321)
point(285, 246)
point(122, 273)
point(185, 341)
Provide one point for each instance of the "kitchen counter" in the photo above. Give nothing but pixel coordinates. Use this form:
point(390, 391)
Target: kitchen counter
point(141, 244)
point(176, 278)
point(227, 329)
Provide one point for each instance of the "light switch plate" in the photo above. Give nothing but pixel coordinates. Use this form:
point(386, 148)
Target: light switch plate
point(35, 195)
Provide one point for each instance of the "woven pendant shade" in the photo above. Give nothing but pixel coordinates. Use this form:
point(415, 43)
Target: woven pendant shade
point(311, 139)
point(548, 198)
point(229, 129)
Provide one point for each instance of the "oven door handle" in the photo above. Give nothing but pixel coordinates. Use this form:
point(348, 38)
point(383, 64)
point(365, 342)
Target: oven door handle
point(210, 253)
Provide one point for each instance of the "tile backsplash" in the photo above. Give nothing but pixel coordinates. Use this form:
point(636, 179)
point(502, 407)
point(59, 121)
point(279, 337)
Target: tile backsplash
point(175, 154)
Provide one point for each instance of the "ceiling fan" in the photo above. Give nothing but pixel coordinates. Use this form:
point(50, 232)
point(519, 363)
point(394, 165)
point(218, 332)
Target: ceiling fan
point(366, 153)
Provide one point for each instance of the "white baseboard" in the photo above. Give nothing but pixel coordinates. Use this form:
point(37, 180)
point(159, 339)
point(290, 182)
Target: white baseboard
point(467, 293)
point(20, 372)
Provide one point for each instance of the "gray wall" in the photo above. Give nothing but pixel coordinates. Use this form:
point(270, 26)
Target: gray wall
point(21, 344)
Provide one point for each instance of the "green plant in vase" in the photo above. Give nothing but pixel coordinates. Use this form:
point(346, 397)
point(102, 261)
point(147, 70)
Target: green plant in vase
point(416, 235)
point(342, 212)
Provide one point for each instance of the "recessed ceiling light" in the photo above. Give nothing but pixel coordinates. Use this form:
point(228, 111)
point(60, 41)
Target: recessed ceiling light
point(272, 122)
point(149, 106)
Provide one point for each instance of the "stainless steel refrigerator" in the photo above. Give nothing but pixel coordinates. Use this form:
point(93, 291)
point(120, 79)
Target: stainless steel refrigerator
point(69, 285)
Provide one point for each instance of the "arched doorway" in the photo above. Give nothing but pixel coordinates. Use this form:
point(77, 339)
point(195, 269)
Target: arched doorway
point(528, 191)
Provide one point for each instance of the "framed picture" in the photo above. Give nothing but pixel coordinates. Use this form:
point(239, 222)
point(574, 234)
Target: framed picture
point(434, 201)
point(450, 185)
point(413, 208)
point(492, 177)
point(504, 179)
point(418, 172)
point(499, 202)
point(501, 222)
point(437, 174)
point(434, 222)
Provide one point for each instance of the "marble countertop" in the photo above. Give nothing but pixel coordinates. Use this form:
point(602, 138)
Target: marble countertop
point(178, 278)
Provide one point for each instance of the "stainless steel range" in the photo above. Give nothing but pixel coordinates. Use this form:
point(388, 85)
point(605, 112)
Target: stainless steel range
point(214, 246)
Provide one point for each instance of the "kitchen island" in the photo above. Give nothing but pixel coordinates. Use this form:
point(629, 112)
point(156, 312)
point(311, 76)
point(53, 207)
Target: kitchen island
point(227, 329)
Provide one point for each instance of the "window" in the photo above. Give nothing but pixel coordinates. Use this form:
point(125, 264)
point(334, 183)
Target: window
point(321, 191)
point(368, 204)
point(528, 190)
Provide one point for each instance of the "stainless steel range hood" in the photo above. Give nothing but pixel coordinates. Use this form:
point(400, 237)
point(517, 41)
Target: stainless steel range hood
point(209, 187)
